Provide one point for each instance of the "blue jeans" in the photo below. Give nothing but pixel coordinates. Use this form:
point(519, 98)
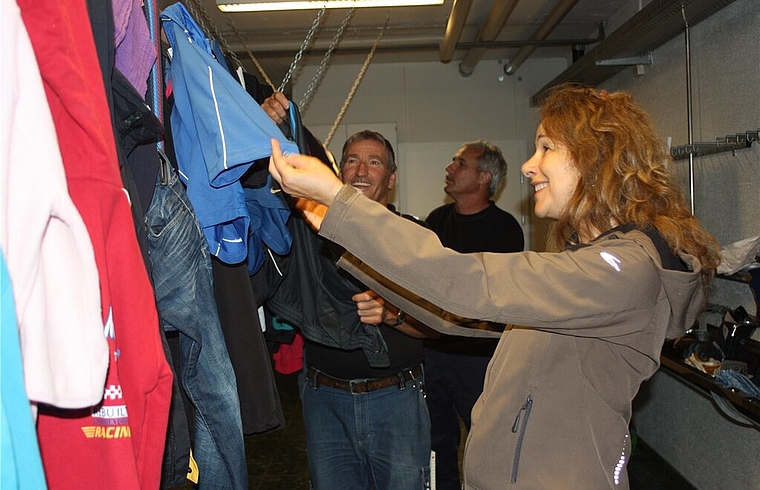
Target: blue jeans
point(378, 440)
point(182, 280)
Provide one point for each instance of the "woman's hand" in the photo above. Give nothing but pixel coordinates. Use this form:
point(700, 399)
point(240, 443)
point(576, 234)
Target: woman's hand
point(303, 176)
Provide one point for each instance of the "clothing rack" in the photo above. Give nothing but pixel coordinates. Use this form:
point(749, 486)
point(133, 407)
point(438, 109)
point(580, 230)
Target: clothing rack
point(727, 143)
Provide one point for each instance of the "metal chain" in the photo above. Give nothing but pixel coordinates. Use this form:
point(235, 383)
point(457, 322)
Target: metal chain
point(251, 56)
point(318, 75)
point(208, 25)
point(306, 41)
point(357, 82)
point(201, 14)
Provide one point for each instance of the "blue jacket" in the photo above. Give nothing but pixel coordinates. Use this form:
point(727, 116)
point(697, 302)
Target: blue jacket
point(218, 131)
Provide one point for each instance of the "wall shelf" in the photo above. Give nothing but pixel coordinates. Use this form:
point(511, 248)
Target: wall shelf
point(654, 25)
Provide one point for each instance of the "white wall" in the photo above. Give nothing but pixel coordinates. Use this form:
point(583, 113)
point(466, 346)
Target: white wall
point(434, 111)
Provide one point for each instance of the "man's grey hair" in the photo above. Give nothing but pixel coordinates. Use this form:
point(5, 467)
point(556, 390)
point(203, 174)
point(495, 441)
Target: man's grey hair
point(490, 160)
point(371, 136)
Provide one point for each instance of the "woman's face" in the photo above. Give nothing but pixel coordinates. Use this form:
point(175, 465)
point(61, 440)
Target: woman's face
point(552, 174)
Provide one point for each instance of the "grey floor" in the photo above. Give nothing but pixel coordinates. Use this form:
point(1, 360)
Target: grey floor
point(277, 461)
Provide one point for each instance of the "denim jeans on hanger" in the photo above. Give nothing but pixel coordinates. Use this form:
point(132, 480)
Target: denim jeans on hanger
point(181, 270)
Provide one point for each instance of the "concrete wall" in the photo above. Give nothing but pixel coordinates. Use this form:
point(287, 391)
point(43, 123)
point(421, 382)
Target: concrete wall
point(679, 422)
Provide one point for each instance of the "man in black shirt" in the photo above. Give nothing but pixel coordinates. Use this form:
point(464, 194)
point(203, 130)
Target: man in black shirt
point(367, 425)
point(455, 366)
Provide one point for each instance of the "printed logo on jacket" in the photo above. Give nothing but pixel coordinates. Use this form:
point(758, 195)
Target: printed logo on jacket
point(111, 421)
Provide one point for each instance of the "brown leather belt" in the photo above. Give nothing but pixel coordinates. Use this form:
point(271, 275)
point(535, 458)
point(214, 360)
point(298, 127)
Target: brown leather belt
point(364, 385)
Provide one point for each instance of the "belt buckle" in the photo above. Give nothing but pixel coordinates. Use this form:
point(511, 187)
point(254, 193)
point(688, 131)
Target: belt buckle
point(358, 386)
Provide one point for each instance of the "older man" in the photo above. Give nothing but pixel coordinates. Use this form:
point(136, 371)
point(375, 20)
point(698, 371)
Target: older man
point(455, 366)
point(367, 427)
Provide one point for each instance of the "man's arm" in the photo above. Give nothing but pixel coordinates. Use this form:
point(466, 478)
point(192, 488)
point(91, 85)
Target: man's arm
point(374, 310)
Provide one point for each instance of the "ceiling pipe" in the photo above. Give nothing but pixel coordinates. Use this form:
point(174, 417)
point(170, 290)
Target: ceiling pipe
point(552, 20)
point(460, 9)
point(405, 48)
point(491, 28)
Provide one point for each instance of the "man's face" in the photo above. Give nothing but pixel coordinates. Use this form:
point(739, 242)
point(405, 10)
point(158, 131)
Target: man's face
point(366, 168)
point(462, 175)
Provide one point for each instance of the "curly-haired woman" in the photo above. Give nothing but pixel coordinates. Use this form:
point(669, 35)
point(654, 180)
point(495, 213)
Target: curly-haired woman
point(588, 321)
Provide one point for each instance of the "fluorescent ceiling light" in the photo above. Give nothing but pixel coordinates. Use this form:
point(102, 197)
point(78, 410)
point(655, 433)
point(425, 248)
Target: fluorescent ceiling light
point(269, 5)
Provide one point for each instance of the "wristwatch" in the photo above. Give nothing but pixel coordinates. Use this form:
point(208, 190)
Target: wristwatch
point(400, 318)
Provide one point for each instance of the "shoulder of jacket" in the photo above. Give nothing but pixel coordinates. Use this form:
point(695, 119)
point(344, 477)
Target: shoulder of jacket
point(629, 235)
point(634, 234)
point(650, 241)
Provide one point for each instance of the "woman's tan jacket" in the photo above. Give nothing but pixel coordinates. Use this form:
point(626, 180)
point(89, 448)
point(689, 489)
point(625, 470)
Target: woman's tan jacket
point(556, 404)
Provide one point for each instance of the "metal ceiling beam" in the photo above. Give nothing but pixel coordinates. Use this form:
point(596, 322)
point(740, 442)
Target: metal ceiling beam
point(552, 20)
point(491, 28)
point(460, 9)
point(399, 48)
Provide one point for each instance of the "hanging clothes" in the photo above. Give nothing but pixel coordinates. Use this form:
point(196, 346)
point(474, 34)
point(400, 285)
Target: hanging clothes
point(48, 250)
point(102, 23)
point(122, 39)
point(134, 50)
point(20, 462)
point(288, 358)
point(183, 285)
point(218, 132)
point(315, 295)
point(137, 130)
point(219, 154)
point(120, 445)
point(260, 407)
point(269, 216)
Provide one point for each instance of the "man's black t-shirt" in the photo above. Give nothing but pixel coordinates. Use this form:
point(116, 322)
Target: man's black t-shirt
point(489, 230)
point(403, 351)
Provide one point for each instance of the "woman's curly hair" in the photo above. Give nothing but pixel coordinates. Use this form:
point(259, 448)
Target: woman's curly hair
point(623, 166)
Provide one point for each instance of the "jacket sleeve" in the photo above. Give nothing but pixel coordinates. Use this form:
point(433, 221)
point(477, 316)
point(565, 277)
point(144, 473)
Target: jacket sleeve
point(602, 290)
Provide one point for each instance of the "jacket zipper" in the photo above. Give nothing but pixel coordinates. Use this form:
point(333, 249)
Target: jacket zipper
point(525, 408)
